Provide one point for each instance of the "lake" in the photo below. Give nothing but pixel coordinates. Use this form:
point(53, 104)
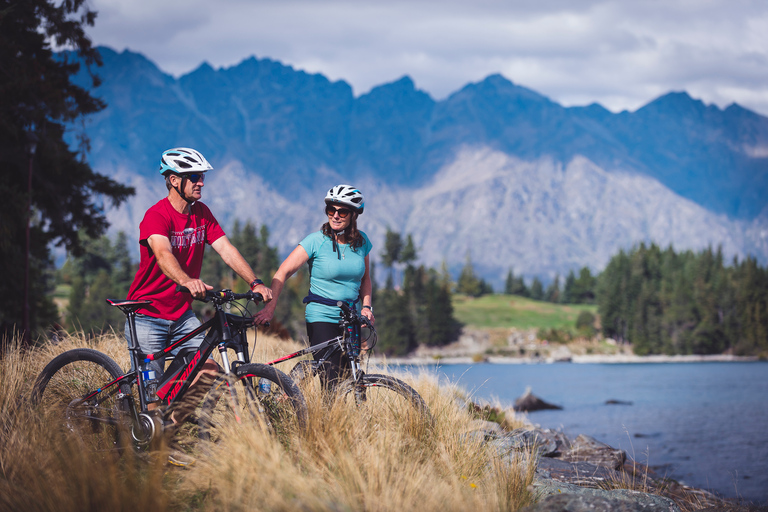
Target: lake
point(703, 424)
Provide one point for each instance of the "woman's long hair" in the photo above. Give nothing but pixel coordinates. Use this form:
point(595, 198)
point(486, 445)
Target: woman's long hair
point(354, 238)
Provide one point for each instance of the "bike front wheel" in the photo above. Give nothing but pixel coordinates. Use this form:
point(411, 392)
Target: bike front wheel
point(253, 391)
point(77, 388)
point(387, 401)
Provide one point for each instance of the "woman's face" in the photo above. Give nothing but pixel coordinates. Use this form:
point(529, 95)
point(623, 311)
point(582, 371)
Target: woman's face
point(339, 217)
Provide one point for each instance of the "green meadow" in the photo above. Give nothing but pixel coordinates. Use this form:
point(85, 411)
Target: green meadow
point(505, 311)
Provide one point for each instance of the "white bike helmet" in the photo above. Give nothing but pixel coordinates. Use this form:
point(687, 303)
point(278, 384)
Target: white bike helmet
point(348, 196)
point(183, 161)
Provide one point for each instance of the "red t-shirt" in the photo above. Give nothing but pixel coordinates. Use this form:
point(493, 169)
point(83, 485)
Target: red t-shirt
point(187, 234)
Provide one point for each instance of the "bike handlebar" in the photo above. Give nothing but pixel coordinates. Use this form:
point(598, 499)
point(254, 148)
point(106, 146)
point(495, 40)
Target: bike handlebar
point(353, 314)
point(222, 296)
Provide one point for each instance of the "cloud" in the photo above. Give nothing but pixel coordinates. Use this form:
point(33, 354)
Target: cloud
point(620, 54)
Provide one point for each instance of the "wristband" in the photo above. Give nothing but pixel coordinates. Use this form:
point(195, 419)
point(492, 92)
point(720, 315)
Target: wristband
point(367, 307)
point(255, 282)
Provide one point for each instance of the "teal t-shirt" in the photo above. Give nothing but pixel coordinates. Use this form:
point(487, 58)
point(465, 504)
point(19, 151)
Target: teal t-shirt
point(333, 277)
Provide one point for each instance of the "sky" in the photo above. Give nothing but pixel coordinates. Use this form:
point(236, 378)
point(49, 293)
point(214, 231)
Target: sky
point(619, 53)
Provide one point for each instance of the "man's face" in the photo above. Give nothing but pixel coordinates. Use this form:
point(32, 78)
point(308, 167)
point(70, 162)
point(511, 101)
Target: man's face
point(193, 186)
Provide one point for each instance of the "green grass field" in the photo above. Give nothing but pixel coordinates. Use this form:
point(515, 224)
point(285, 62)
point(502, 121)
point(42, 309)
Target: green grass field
point(504, 311)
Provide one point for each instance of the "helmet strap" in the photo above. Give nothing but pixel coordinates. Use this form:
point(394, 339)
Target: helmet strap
point(180, 189)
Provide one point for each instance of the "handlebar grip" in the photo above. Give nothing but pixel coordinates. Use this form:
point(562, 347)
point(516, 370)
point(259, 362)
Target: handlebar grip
point(225, 294)
point(353, 312)
point(344, 307)
point(184, 289)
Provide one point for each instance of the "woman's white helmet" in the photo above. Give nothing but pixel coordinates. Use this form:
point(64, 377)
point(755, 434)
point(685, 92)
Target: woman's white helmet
point(348, 196)
point(183, 161)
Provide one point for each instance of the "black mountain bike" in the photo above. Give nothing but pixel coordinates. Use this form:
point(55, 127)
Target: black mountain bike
point(377, 392)
point(102, 403)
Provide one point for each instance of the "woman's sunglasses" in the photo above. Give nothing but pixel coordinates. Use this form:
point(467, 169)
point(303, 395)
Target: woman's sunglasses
point(343, 212)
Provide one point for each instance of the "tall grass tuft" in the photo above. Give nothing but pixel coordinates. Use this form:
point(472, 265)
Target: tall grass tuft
point(43, 467)
point(350, 458)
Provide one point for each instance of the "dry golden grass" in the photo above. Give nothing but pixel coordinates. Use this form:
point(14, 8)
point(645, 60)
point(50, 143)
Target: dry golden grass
point(348, 459)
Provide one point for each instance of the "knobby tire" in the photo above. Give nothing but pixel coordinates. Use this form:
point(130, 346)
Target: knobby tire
point(61, 386)
point(239, 396)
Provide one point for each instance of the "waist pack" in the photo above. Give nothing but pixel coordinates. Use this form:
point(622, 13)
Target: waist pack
point(313, 297)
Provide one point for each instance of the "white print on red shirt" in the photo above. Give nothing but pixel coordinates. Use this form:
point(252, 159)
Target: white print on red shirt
point(188, 237)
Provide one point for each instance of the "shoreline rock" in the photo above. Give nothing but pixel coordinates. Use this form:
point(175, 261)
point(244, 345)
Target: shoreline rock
point(530, 402)
point(584, 474)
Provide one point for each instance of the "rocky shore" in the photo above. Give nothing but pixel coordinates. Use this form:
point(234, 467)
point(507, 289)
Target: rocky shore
point(585, 475)
point(416, 360)
point(580, 474)
point(517, 346)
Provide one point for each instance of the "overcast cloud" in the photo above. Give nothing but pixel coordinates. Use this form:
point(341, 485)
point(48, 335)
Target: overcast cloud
point(619, 53)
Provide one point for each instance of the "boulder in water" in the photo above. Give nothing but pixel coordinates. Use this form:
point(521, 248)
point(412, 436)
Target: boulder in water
point(530, 402)
point(613, 401)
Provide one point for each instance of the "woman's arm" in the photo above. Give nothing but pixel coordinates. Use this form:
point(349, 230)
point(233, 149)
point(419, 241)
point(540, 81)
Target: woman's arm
point(366, 289)
point(292, 263)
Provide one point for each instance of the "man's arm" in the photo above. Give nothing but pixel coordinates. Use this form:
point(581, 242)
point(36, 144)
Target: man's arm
point(236, 262)
point(161, 247)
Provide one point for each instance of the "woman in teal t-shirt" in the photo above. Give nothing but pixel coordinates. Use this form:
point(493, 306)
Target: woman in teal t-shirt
point(339, 270)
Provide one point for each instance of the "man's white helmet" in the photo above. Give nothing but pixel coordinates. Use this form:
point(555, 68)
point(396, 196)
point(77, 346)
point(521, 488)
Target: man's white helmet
point(348, 196)
point(183, 161)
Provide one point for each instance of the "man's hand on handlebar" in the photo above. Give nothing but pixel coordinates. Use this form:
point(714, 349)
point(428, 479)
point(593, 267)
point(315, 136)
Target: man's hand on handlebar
point(264, 290)
point(197, 288)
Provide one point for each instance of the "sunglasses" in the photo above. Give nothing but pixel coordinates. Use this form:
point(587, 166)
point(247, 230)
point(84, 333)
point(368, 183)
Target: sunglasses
point(194, 178)
point(343, 212)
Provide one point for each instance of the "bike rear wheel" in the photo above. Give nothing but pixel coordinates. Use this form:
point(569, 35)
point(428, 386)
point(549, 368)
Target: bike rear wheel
point(73, 387)
point(253, 391)
point(387, 400)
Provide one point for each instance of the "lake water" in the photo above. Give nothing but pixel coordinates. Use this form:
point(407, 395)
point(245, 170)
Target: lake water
point(704, 424)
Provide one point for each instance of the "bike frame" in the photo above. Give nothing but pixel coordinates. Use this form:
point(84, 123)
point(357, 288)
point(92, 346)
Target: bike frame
point(339, 341)
point(218, 335)
point(342, 343)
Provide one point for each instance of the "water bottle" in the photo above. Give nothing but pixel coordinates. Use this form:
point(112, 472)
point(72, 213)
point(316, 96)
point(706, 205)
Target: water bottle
point(265, 386)
point(149, 376)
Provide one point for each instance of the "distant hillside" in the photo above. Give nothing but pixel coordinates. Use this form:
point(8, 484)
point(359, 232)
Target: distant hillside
point(496, 170)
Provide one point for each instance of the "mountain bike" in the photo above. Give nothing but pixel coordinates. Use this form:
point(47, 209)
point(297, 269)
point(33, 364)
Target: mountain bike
point(381, 394)
point(100, 402)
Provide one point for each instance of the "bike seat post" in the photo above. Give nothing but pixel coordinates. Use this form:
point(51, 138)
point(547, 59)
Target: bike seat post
point(134, 342)
point(136, 363)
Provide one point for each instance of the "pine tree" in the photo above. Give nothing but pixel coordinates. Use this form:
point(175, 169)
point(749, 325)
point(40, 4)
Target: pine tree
point(468, 283)
point(393, 245)
point(38, 104)
point(553, 290)
point(537, 289)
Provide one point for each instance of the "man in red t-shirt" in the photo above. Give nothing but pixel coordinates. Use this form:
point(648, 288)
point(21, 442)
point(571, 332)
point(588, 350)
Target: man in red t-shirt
point(172, 236)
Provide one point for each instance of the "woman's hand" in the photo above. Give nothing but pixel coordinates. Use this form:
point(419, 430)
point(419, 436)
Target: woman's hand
point(265, 315)
point(368, 313)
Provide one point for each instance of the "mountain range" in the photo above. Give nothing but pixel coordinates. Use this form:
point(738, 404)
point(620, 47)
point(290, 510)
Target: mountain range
point(495, 172)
